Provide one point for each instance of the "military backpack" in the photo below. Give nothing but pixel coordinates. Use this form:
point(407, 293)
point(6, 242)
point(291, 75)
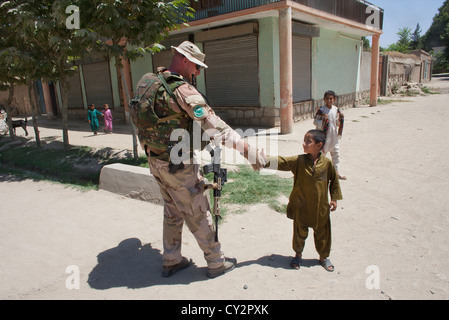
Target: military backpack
point(151, 112)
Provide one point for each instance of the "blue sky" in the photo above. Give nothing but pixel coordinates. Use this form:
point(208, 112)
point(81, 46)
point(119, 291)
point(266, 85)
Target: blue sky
point(405, 13)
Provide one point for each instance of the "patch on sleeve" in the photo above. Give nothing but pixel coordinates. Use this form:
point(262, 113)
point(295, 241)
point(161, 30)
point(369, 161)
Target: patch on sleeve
point(195, 100)
point(198, 111)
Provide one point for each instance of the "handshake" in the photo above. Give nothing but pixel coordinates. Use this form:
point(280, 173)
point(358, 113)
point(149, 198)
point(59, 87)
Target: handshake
point(256, 158)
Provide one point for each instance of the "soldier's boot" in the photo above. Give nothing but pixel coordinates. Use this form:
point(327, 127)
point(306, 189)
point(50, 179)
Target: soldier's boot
point(228, 265)
point(170, 270)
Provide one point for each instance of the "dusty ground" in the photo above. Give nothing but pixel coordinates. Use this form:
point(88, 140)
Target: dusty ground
point(390, 232)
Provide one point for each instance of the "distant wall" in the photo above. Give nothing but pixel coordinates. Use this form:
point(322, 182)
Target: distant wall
point(335, 62)
point(401, 69)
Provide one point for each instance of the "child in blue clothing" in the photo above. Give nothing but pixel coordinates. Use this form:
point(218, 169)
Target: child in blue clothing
point(92, 118)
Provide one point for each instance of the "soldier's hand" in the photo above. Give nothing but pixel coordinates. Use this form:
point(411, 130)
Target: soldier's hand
point(256, 158)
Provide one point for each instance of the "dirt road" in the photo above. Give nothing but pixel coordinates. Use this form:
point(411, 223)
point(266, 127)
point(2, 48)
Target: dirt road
point(390, 232)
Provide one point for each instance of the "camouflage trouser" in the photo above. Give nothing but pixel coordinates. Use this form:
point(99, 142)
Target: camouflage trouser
point(185, 200)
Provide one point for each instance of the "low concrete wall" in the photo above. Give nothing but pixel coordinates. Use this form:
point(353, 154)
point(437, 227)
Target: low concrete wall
point(130, 181)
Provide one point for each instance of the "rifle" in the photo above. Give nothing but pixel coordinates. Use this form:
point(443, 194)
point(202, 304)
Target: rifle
point(220, 177)
point(193, 80)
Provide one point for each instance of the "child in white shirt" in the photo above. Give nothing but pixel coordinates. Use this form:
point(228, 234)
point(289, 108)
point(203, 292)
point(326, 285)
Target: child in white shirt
point(330, 120)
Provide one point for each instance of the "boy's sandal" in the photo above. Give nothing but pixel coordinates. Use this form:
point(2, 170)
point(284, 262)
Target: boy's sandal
point(295, 263)
point(171, 270)
point(327, 265)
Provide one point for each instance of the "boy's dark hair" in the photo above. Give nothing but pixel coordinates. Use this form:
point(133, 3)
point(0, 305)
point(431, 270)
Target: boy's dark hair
point(318, 136)
point(330, 93)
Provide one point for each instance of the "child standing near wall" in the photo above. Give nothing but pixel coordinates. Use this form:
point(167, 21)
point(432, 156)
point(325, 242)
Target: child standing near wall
point(92, 118)
point(107, 119)
point(330, 120)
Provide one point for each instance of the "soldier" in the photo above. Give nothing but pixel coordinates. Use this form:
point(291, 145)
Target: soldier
point(177, 104)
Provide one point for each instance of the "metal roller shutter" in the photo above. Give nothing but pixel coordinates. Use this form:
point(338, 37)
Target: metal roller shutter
point(164, 57)
point(97, 80)
point(232, 78)
point(74, 95)
point(302, 71)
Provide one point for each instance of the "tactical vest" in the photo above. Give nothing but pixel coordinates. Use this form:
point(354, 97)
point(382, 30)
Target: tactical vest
point(151, 112)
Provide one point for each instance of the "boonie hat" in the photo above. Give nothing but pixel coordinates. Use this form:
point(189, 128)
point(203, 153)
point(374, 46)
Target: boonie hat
point(191, 52)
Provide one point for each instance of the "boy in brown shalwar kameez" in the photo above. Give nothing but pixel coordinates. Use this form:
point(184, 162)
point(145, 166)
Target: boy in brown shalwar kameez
point(308, 206)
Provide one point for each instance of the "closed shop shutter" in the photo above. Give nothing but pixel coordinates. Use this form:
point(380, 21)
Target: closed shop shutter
point(302, 71)
point(97, 80)
point(232, 78)
point(74, 95)
point(164, 57)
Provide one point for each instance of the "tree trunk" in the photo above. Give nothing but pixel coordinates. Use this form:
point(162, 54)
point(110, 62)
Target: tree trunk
point(9, 111)
point(127, 97)
point(64, 111)
point(32, 94)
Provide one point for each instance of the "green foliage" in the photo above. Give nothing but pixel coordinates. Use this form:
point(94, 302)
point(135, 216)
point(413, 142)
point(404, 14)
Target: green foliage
point(129, 28)
point(248, 187)
point(416, 39)
point(441, 62)
point(36, 43)
point(438, 36)
point(435, 36)
point(366, 44)
point(58, 164)
point(404, 42)
point(45, 48)
point(50, 164)
point(243, 188)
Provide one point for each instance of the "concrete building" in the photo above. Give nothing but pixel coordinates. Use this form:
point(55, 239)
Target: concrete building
point(270, 61)
point(425, 65)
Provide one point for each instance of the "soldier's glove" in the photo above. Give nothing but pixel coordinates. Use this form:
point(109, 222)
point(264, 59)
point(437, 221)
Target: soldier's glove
point(255, 158)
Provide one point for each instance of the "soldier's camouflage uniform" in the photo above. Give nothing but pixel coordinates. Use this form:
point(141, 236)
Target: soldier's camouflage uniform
point(185, 198)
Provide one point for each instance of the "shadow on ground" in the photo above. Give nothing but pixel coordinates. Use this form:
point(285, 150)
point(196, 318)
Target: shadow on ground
point(135, 265)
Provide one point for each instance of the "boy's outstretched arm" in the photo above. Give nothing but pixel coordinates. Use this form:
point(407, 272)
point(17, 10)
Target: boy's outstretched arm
point(280, 163)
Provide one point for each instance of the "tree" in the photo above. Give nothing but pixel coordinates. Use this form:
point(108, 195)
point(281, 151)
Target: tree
point(416, 39)
point(8, 78)
point(440, 64)
point(445, 41)
point(128, 30)
point(438, 36)
point(19, 64)
point(403, 44)
point(17, 68)
point(434, 36)
point(41, 28)
point(366, 44)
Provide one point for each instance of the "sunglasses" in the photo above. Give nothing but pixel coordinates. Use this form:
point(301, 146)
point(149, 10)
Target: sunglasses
point(198, 67)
